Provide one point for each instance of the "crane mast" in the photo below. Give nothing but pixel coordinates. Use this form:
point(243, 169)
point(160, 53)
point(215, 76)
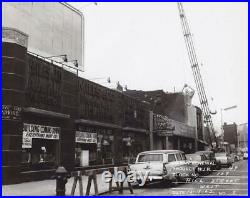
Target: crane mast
point(196, 72)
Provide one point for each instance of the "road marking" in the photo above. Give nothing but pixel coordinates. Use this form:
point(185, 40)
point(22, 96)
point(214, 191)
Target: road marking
point(205, 189)
point(225, 176)
point(201, 183)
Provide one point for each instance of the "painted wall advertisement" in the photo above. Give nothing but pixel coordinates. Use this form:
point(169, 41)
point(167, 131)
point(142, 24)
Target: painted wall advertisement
point(38, 131)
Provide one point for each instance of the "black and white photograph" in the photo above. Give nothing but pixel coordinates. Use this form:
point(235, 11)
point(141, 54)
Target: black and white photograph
point(124, 98)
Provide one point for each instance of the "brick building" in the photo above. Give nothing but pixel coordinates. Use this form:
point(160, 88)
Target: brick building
point(186, 119)
point(51, 116)
point(231, 135)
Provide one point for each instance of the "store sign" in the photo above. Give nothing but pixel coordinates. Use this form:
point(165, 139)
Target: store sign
point(41, 131)
point(163, 125)
point(27, 142)
point(10, 112)
point(165, 133)
point(85, 137)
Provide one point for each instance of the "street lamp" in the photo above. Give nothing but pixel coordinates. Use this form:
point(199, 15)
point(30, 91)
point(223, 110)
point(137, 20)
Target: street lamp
point(221, 111)
point(75, 62)
point(63, 56)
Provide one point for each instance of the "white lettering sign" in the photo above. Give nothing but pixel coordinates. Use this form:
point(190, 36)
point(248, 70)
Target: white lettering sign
point(27, 142)
point(38, 131)
point(85, 137)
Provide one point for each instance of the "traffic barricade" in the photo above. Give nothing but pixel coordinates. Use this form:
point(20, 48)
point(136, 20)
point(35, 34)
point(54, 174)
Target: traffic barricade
point(92, 176)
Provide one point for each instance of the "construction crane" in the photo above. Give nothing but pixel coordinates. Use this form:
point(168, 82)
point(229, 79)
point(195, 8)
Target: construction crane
point(196, 73)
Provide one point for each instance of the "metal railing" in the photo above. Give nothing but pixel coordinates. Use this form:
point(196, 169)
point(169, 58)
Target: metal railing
point(57, 63)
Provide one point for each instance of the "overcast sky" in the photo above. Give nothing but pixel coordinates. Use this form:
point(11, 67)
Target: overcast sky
point(142, 46)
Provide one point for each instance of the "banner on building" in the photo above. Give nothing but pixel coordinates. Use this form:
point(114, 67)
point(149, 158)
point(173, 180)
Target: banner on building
point(41, 131)
point(85, 137)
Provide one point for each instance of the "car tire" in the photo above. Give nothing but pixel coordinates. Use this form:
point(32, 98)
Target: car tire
point(218, 166)
point(168, 183)
point(138, 181)
point(195, 175)
point(229, 165)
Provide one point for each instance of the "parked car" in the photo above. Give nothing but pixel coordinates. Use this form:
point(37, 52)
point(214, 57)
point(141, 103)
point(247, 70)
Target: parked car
point(201, 162)
point(224, 158)
point(168, 165)
point(245, 156)
point(215, 165)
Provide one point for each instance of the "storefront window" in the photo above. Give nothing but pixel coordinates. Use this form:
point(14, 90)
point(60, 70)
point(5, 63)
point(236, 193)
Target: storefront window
point(40, 146)
point(106, 152)
point(85, 154)
point(26, 155)
point(93, 146)
point(42, 154)
point(86, 148)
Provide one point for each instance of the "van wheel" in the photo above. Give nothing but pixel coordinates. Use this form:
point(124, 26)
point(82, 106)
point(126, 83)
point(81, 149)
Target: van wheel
point(218, 166)
point(196, 173)
point(138, 181)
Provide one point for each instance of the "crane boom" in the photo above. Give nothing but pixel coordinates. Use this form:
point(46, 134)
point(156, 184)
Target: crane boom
point(196, 72)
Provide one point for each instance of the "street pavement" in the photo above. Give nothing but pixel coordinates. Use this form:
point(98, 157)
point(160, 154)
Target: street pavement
point(227, 181)
point(48, 187)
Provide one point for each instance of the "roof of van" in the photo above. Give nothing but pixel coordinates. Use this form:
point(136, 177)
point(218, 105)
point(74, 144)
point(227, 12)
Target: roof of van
point(161, 151)
point(198, 152)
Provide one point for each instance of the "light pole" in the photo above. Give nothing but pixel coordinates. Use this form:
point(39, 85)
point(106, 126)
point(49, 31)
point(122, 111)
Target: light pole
point(221, 111)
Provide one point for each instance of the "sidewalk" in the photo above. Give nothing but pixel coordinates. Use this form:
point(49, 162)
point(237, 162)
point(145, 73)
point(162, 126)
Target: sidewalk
point(48, 187)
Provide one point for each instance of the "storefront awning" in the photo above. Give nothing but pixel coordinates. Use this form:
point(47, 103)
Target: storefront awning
point(45, 112)
point(135, 129)
point(90, 122)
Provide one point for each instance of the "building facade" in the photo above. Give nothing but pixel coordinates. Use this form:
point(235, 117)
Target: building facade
point(53, 117)
point(243, 136)
point(177, 123)
point(231, 135)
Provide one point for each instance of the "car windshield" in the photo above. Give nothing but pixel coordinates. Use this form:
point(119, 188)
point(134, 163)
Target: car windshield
point(183, 156)
point(204, 157)
point(220, 154)
point(194, 157)
point(178, 156)
point(150, 158)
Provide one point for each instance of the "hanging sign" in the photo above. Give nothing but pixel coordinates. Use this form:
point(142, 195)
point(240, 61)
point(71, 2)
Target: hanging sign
point(85, 137)
point(27, 142)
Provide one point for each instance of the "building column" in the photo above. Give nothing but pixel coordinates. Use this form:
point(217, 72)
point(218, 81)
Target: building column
point(14, 76)
point(151, 128)
point(196, 140)
point(178, 143)
point(167, 143)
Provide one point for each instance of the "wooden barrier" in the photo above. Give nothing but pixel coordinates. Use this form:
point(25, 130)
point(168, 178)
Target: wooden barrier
point(92, 176)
